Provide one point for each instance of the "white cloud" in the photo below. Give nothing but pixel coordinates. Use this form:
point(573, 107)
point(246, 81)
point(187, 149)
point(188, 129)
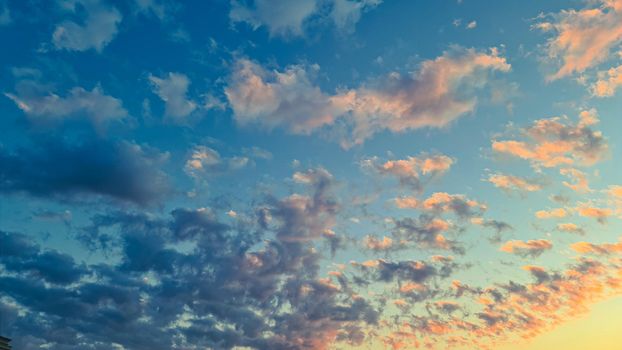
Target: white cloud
point(173, 90)
point(287, 18)
point(96, 31)
point(41, 104)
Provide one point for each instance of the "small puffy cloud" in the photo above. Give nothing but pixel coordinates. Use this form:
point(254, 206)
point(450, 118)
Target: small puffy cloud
point(286, 19)
point(460, 205)
point(553, 213)
point(599, 249)
point(590, 211)
point(515, 183)
point(205, 161)
point(555, 141)
point(377, 244)
point(281, 17)
point(413, 171)
point(173, 90)
point(271, 98)
point(570, 228)
point(45, 106)
point(608, 82)
point(439, 92)
point(581, 39)
point(471, 25)
point(580, 183)
point(530, 248)
point(425, 232)
point(95, 31)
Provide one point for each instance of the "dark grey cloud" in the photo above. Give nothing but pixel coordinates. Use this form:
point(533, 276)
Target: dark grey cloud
point(67, 170)
point(256, 284)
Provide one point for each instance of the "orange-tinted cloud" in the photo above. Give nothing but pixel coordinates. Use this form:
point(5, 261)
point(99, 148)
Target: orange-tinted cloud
point(608, 82)
point(532, 248)
point(583, 38)
point(554, 141)
point(601, 249)
point(600, 214)
point(413, 171)
point(553, 213)
point(579, 184)
point(511, 182)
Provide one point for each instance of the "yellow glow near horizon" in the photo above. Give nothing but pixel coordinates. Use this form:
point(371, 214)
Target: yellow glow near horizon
point(600, 329)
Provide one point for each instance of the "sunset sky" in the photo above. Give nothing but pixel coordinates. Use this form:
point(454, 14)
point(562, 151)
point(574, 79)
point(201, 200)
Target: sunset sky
point(311, 174)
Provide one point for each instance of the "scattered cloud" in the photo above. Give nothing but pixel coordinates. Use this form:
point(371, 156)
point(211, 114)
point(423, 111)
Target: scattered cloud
point(553, 142)
point(96, 31)
point(288, 19)
point(43, 105)
point(414, 171)
point(439, 92)
point(530, 248)
point(514, 183)
point(580, 183)
point(553, 213)
point(570, 228)
point(581, 39)
point(590, 211)
point(173, 90)
point(608, 82)
point(599, 249)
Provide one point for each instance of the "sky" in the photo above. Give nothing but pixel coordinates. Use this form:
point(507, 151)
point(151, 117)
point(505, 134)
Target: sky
point(311, 174)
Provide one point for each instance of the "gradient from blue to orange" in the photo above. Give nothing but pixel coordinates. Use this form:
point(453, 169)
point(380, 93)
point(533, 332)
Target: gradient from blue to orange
point(310, 174)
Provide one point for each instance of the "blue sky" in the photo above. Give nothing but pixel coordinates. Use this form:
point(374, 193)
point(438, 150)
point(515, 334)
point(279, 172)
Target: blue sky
point(314, 174)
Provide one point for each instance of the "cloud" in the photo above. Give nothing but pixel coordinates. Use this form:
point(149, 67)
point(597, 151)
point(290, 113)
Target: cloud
point(97, 30)
point(553, 213)
point(583, 38)
point(580, 183)
point(405, 271)
point(608, 82)
point(260, 279)
point(205, 161)
point(439, 92)
point(570, 228)
point(271, 98)
point(414, 171)
point(173, 90)
point(425, 232)
point(43, 105)
point(516, 183)
point(287, 19)
point(64, 170)
point(599, 249)
point(22, 257)
point(590, 211)
point(553, 142)
point(460, 205)
point(5, 14)
point(471, 25)
point(376, 244)
point(530, 248)
point(498, 226)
